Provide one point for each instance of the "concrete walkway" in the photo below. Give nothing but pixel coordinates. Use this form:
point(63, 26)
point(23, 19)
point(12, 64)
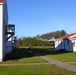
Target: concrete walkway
point(64, 65)
point(59, 63)
point(22, 64)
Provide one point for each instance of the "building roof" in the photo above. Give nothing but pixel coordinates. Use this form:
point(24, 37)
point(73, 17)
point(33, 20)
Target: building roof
point(74, 37)
point(67, 36)
point(2, 1)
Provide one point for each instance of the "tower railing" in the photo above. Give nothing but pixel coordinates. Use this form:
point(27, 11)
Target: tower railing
point(10, 30)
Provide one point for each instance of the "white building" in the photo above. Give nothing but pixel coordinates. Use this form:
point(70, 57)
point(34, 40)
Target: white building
point(6, 31)
point(3, 24)
point(67, 42)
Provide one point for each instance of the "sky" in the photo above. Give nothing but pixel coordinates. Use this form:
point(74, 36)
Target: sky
point(36, 17)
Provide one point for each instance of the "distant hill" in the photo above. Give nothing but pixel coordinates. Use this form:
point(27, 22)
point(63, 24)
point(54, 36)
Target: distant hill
point(55, 34)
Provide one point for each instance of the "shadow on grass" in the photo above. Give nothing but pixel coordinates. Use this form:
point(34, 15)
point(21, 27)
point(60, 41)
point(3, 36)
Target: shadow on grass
point(18, 54)
point(48, 51)
point(24, 53)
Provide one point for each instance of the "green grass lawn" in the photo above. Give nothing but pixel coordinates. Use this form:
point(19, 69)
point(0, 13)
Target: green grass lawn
point(73, 64)
point(58, 55)
point(22, 56)
point(65, 57)
point(34, 70)
point(34, 59)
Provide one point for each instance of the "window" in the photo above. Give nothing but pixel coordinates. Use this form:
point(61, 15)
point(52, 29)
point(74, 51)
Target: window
point(67, 41)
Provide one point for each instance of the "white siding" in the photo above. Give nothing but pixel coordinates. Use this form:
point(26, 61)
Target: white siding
point(1, 32)
point(3, 23)
point(68, 45)
point(58, 44)
point(74, 45)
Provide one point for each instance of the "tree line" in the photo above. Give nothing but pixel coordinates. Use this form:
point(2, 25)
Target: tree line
point(55, 34)
point(26, 41)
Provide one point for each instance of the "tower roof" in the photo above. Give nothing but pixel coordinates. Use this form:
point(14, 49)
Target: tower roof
point(2, 1)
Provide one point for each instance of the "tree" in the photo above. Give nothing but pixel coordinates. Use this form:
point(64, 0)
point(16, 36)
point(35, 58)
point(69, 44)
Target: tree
point(19, 42)
point(63, 32)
